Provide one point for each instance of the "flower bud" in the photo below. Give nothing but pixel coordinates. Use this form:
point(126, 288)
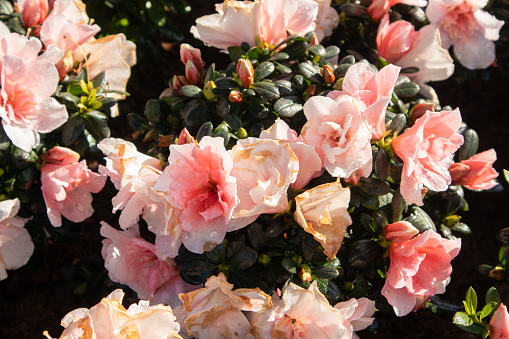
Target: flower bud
point(242, 133)
point(34, 12)
point(305, 273)
point(328, 75)
point(193, 75)
point(207, 91)
point(189, 53)
point(179, 81)
point(185, 137)
point(420, 109)
point(235, 96)
point(314, 40)
point(246, 72)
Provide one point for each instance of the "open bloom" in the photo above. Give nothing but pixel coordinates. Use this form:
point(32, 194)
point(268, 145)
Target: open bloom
point(16, 246)
point(465, 26)
point(67, 184)
point(323, 212)
point(198, 183)
point(356, 315)
point(379, 8)
point(477, 172)
point(326, 20)
point(338, 131)
point(109, 319)
point(243, 21)
point(132, 261)
point(427, 150)
point(300, 313)
point(374, 89)
point(216, 311)
point(420, 266)
point(34, 12)
point(400, 44)
point(499, 323)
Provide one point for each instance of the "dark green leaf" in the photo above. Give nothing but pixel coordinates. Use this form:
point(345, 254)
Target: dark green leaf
point(222, 107)
point(330, 52)
point(317, 49)
point(326, 272)
point(226, 83)
point(397, 124)
point(72, 129)
point(282, 68)
point(263, 70)
point(470, 145)
point(152, 111)
point(288, 106)
point(191, 91)
point(100, 82)
point(492, 296)
point(107, 103)
point(255, 109)
point(461, 228)
point(197, 271)
point(210, 74)
point(285, 87)
point(362, 253)
point(6, 7)
point(195, 113)
point(420, 219)
point(138, 123)
point(341, 70)
point(382, 164)
point(278, 56)
point(256, 235)
point(267, 90)
point(233, 121)
point(373, 186)
point(295, 49)
point(407, 89)
point(353, 10)
point(205, 130)
point(289, 265)
point(310, 71)
point(300, 83)
point(398, 206)
point(349, 59)
point(244, 258)
point(96, 124)
point(4, 139)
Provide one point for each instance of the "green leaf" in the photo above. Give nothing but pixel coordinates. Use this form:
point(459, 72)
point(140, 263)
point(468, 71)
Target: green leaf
point(289, 265)
point(96, 124)
point(226, 83)
point(255, 109)
point(267, 90)
point(487, 310)
point(288, 106)
point(373, 186)
point(244, 258)
point(278, 56)
point(295, 49)
point(100, 82)
point(506, 175)
point(330, 52)
point(397, 124)
point(462, 318)
point(310, 71)
point(191, 91)
point(6, 7)
point(492, 295)
point(471, 300)
point(235, 53)
point(138, 123)
point(72, 129)
point(263, 70)
point(382, 164)
point(407, 89)
point(398, 206)
point(205, 130)
point(362, 253)
point(153, 111)
point(317, 49)
point(5, 142)
point(195, 113)
point(420, 219)
point(470, 145)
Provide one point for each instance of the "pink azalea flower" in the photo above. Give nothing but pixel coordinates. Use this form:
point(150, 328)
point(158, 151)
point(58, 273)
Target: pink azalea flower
point(476, 173)
point(374, 89)
point(243, 21)
point(198, 183)
point(401, 45)
point(66, 186)
point(26, 106)
point(132, 261)
point(305, 154)
point(499, 323)
point(16, 246)
point(216, 311)
point(134, 175)
point(66, 34)
point(74, 10)
point(327, 19)
point(338, 131)
point(420, 266)
point(465, 26)
point(34, 12)
point(300, 313)
point(379, 8)
point(109, 319)
point(427, 150)
point(264, 170)
point(356, 315)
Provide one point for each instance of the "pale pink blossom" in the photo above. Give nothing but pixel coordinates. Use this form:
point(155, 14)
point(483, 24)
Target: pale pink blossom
point(374, 89)
point(26, 106)
point(499, 323)
point(264, 169)
point(67, 186)
point(427, 149)
point(305, 154)
point(379, 8)
point(16, 246)
point(323, 212)
point(327, 19)
point(477, 172)
point(400, 44)
point(74, 10)
point(338, 131)
point(66, 34)
point(300, 313)
point(134, 175)
point(357, 315)
point(420, 266)
point(198, 186)
point(470, 30)
point(216, 311)
point(132, 261)
point(34, 12)
point(109, 319)
point(244, 21)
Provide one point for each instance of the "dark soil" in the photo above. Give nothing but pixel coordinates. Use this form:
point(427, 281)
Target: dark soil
point(36, 297)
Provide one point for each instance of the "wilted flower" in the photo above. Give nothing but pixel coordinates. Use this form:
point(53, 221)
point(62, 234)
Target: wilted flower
point(67, 184)
point(216, 311)
point(245, 21)
point(427, 149)
point(300, 313)
point(374, 89)
point(379, 8)
point(109, 319)
point(477, 172)
point(400, 44)
point(465, 26)
point(338, 131)
point(499, 323)
point(16, 246)
point(420, 266)
point(198, 183)
point(323, 212)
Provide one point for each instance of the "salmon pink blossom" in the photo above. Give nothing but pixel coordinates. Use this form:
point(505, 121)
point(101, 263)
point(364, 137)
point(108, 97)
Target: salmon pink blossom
point(199, 184)
point(400, 44)
point(374, 89)
point(327, 19)
point(499, 323)
point(245, 21)
point(34, 12)
point(379, 8)
point(356, 315)
point(470, 30)
point(427, 150)
point(67, 184)
point(420, 266)
point(477, 172)
point(16, 246)
point(338, 131)
point(67, 35)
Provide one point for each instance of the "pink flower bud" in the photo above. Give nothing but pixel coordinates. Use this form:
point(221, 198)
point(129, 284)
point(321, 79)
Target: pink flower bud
point(246, 72)
point(34, 12)
point(235, 96)
point(193, 75)
point(328, 74)
point(499, 323)
point(179, 81)
point(189, 53)
point(185, 138)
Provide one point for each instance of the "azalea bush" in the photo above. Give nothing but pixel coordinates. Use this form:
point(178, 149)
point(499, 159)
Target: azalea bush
point(313, 185)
